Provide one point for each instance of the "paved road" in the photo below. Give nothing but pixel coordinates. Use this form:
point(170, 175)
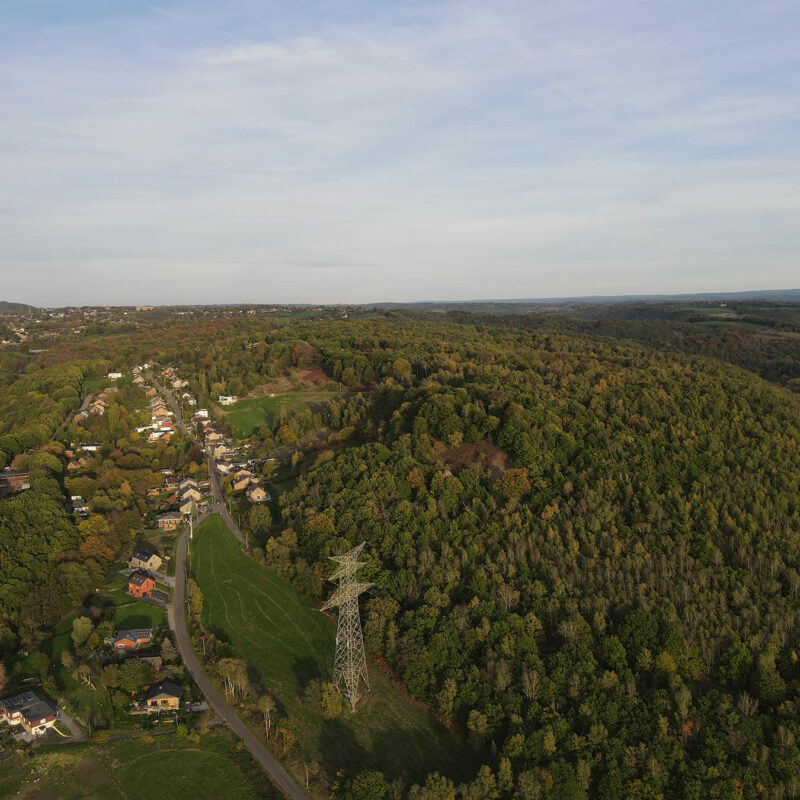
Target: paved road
point(219, 506)
point(177, 621)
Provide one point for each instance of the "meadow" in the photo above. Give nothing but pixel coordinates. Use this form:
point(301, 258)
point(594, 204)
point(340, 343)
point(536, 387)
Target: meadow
point(253, 413)
point(288, 643)
point(168, 766)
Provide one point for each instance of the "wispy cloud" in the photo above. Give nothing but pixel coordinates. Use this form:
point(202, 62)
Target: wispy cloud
point(478, 151)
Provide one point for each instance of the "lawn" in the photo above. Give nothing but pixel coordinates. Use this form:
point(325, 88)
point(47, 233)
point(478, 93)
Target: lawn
point(96, 384)
point(252, 413)
point(288, 643)
point(168, 766)
point(132, 613)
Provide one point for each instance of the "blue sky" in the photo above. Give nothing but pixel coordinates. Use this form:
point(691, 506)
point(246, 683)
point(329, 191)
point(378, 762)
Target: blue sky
point(364, 151)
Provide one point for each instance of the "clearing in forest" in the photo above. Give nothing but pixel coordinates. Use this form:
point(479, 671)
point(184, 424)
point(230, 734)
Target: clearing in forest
point(288, 643)
point(252, 413)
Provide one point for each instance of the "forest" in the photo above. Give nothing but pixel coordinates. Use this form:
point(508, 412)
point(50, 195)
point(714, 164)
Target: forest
point(583, 529)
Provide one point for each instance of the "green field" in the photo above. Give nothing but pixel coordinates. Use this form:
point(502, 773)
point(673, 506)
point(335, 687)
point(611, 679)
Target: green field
point(96, 384)
point(167, 767)
point(252, 413)
point(288, 643)
point(132, 613)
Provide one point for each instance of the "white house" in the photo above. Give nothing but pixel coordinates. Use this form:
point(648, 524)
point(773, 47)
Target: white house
point(34, 713)
point(228, 400)
point(114, 375)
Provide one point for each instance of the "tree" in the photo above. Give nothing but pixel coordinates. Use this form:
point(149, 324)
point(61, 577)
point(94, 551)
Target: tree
point(168, 651)
point(266, 705)
point(195, 598)
point(81, 628)
point(364, 786)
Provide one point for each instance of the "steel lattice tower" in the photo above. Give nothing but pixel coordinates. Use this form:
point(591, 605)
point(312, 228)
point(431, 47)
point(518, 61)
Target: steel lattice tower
point(350, 662)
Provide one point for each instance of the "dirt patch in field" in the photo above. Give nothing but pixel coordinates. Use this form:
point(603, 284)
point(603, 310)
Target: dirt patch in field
point(92, 772)
point(279, 385)
point(284, 384)
point(485, 453)
point(312, 375)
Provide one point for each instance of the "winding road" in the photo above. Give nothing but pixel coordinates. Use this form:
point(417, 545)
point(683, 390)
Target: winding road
point(177, 622)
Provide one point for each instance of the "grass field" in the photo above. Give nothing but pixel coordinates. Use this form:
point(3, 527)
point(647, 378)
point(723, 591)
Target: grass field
point(167, 767)
point(288, 643)
point(96, 384)
point(252, 413)
point(132, 613)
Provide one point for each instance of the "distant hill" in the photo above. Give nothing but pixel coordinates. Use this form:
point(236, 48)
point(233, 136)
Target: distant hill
point(12, 307)
point(774, 295)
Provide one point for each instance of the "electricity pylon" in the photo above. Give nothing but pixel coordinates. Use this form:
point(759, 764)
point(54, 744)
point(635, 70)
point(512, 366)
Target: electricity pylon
point(350, 662)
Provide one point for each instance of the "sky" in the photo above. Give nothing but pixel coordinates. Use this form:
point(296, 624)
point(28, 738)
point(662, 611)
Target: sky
point(353, 151)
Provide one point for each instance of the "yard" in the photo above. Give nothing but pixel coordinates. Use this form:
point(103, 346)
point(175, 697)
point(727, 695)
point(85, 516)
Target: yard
point(252, 413)
point(133, 613)
point(166, 766)
point(288, 643)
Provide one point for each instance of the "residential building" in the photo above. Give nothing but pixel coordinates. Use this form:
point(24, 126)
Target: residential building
point(164, 696)
point(169, 521)
point(192, 493)
point(228, 400)
point(140, 585)
point(255, 494)
point(241, 483)
point(32, 712)
point(144, 559)
point(187, 507)
point(131, 640)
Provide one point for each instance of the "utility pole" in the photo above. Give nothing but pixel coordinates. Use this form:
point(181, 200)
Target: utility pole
point(350, 661)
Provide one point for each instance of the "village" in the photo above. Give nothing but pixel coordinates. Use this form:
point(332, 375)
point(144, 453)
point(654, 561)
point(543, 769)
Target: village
point(142, 590)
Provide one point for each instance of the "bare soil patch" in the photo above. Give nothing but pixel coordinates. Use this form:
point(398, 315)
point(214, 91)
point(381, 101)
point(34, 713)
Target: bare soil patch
point(92, 772)
point(485, 453)
point(312, 375)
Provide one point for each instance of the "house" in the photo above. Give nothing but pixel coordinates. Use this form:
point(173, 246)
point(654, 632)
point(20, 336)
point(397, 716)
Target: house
point(79, 506)
point(164, 696)
point(242, 483)
point(114, 375)
point(187, 483)
point(200, 414)
point(192, 493)
point(169, 521)
point(255, 494)
point(140, 585)
point(130, 640)
point(33, 712)
point(188, 507)
point(90, 447)
point(144, 559)
point(227, 400)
